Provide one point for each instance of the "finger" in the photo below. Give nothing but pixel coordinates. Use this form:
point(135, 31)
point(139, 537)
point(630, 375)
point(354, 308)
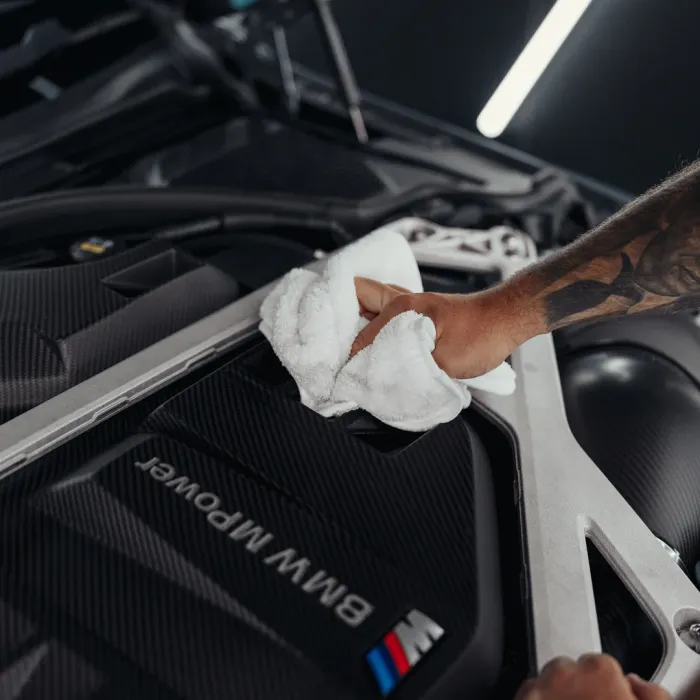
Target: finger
point(373, 296)
point(528, 691)
point(646, 691)
point(601, 663)
point(369, 315)
point(367, 335)
point(555, 667)
point(403, 290)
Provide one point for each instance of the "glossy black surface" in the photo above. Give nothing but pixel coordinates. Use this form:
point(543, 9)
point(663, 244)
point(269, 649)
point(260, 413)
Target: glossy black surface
point(637, 415)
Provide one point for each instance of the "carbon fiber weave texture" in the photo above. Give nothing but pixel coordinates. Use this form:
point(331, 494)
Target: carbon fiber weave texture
point(154, 602)
point(61, 325)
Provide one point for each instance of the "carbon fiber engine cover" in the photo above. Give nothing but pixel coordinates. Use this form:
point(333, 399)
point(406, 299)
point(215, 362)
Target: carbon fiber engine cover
point(237, 545)
point(60, 326)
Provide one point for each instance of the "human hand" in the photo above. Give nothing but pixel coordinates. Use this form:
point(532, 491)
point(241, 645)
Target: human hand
point(592, 677)
point(474, 332)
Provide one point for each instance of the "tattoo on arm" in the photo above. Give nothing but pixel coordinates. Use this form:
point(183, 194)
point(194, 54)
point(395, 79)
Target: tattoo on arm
point(583, 295)
point(646, 257)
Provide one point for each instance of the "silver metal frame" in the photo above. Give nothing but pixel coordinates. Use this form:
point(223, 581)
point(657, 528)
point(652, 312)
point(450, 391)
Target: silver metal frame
point(472, 250)
point(564, 497)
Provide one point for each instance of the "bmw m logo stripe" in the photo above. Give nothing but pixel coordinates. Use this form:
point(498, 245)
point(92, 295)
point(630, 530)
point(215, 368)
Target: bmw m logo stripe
point(401, 649)
point(388, 667)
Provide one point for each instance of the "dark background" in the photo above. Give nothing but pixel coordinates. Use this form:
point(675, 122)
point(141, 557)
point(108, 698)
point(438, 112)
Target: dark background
point(619, 102)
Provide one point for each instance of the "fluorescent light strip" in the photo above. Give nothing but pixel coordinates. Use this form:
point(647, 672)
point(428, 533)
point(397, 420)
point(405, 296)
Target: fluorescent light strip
point(529, 66)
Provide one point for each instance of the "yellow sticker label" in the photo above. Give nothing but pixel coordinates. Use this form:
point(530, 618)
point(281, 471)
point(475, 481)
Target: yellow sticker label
point(92, 248)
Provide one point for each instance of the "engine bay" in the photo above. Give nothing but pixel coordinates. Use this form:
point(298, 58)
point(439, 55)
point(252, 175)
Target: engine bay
point(211, 537)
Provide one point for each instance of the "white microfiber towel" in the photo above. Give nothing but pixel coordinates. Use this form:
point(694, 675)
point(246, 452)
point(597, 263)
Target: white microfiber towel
point(311, 321)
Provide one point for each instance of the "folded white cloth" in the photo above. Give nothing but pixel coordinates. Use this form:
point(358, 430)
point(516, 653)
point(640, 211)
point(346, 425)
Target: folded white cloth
point(311, 321)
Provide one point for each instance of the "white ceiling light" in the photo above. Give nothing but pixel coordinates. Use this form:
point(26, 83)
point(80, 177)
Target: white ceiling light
point(529, 66)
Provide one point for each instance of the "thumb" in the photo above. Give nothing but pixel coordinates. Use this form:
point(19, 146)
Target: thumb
point(646, 691)
point(527, 690)
point(367, 335)
point(373, 296)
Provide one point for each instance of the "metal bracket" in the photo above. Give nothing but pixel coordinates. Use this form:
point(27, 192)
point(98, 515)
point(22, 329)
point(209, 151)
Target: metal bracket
point(500, 249)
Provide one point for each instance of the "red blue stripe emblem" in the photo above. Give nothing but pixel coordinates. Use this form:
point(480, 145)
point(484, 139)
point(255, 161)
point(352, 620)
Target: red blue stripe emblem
point(401, 649)
point(388, 663)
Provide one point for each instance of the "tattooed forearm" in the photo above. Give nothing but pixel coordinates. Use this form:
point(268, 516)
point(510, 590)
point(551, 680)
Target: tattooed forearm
point(583, 295)
point(646, 257)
